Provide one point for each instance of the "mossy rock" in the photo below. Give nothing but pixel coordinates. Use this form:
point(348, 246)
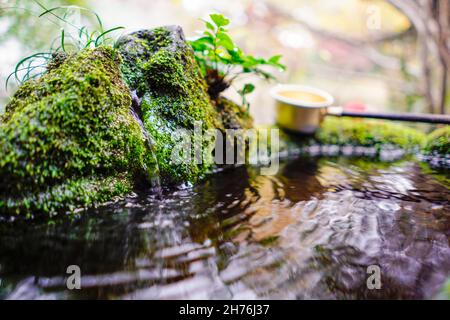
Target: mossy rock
point(233, 115)
point(102, 121)
point(68, 139)
point(335, 134)
point(159, 65)
point(368, 133)
point(438, 142)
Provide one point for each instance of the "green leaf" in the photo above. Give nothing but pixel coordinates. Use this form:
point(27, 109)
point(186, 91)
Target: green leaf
point(225, 41)
point(209, 25)
point(219, 20)
point(205, 40)
point(225, 59)
point(199, 46)
point(275, 59)
point(235, 59)
point(208, 34)
point(247, 89)
point(237, 55)
point(250, 62)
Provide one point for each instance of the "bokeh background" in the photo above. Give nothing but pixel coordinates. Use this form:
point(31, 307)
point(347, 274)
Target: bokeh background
point(382, 55)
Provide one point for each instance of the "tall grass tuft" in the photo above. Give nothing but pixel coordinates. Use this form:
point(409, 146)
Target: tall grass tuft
point(72, 38)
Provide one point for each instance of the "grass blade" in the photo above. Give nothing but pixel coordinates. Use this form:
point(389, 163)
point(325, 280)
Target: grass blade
point(105, 33)
point(62, 40)
point(22, 69)
point(51, 11)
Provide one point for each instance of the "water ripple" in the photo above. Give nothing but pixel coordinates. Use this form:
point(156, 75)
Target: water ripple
point(308, 233)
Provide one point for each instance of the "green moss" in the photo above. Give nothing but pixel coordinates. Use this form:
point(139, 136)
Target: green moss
point(67, 197)
point(440, 174)
point(136, 50)
point(164, 72)
point(174, 96)
point(57, 60)
point(354, 132)
point(438, 142)
point(233, 115)
point(66, 127)
point(342, 132)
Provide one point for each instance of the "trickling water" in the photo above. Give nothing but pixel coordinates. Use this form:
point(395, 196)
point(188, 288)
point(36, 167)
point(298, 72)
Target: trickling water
point(135, 111)
point(310, 232)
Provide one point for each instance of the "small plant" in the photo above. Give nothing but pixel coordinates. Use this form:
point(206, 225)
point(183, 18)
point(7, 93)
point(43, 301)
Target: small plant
point(72, 39)
point(222, 61)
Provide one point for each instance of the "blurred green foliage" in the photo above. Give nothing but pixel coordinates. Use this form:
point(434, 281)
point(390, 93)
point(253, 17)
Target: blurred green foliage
point(371, 133)
point(438, 142)
point(21, 17)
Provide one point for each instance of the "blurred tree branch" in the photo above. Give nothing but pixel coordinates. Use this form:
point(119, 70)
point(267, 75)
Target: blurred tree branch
point(431, 19)
point(378, 58)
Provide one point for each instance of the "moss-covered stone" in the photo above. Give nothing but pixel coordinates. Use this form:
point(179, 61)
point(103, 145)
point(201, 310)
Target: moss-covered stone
point(368, 133)
point(69, 196)
point(438, 142)
point(354, 137)
point(160, 66)
point(58, 58)
point(233, 115)
point(68, 139)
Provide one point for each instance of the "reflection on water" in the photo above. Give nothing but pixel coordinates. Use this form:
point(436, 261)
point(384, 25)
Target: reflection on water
point(308, 233)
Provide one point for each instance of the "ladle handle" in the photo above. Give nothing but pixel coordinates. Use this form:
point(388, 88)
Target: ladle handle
point(410, 117)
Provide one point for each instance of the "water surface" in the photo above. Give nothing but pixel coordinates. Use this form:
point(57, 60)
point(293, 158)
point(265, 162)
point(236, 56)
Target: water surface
point(308, 233)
